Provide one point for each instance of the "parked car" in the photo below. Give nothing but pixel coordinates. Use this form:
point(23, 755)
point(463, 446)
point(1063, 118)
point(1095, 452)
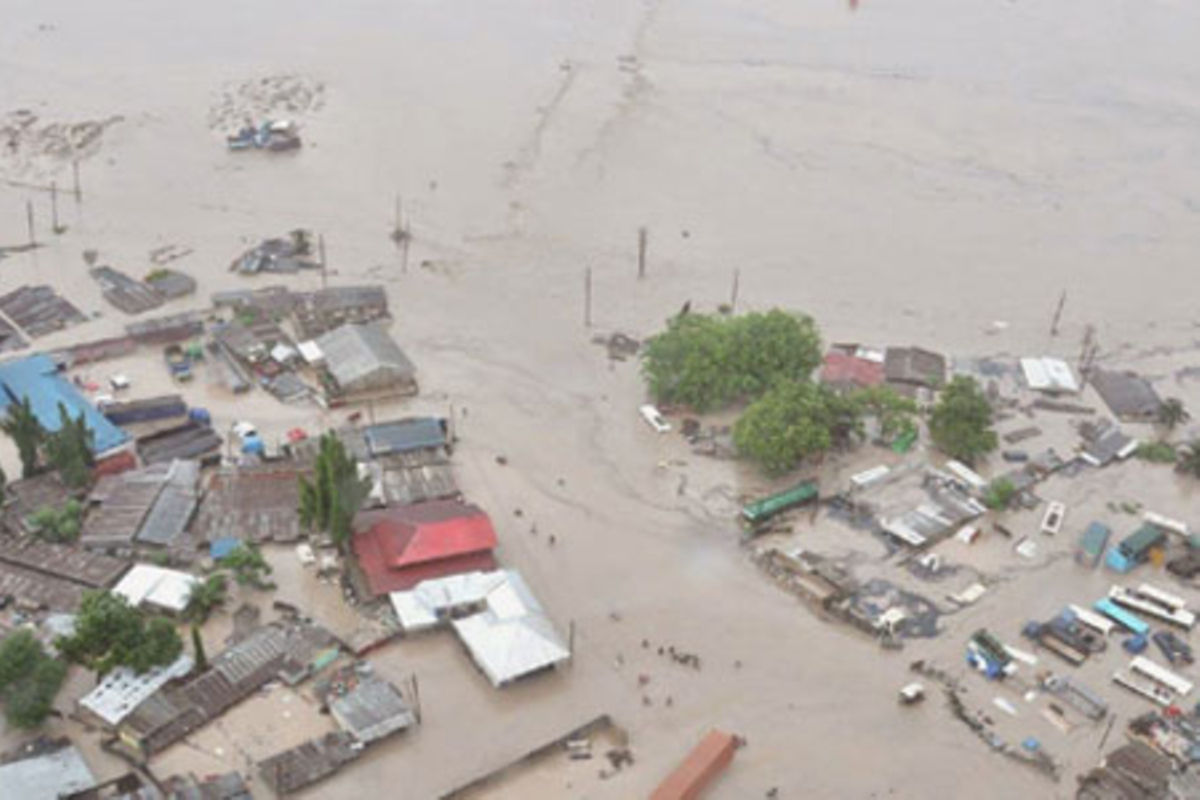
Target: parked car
point(654, 418)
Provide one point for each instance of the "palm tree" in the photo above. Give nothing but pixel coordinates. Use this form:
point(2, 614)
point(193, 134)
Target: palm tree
point(27, 433)
point(1189, 460)
point(205, 597)
point(1172, 414)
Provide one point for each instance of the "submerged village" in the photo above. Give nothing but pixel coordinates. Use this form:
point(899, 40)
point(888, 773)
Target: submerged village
point(266, 531)
point(146, 544)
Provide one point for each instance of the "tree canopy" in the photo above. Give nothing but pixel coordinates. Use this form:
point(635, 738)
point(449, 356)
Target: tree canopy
point(961, 421)
point(206, 596)
point(58, 523)
point(335, 494)
point(895, 413)
point(708, 361)
point(793, 421)
point(69, 449)
point(248, 566)
point(110, 633)
point(23, 427)
point(29, 680)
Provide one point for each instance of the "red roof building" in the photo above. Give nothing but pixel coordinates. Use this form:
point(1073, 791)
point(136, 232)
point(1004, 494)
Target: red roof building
point(848, 370)
point(399, 547)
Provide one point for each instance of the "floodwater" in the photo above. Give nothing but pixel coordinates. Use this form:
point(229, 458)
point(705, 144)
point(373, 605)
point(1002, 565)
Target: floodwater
point(906, 172)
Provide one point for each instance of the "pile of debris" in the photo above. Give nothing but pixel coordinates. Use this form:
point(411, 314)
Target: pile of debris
point(285, 255)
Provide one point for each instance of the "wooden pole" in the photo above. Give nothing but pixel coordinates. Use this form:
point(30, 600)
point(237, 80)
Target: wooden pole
point(571, 642)
point(54, 208)
point(29, 219)
point(75, 173)
point(1058, 313)
point(321, 252)
point(587, 297)
point(737, 274)
point(642, 235)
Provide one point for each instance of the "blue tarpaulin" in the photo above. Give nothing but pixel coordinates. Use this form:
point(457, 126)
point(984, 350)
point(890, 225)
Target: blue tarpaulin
point(219, 548)
point(37, 378)
point(253, 444)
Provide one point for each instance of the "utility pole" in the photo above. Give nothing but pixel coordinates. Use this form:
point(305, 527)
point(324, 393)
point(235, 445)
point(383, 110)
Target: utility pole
point(321, 252)
point(587, 297)
point(737, 273)
point(75, 172)
point(642, 236)
point(571, 641)
point(54, 226)
point(1062, 300)
point(29, 219)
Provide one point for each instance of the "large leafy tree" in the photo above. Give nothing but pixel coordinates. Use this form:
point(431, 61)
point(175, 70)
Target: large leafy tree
point(23, 427)
point(110, 633)
point(794, 421)
point(707, 362)
point(961, 421)
point(29, 680)
point(335, 494)
point(69, 449)
point(895, 413)
point(248, 566)
point(205, 597)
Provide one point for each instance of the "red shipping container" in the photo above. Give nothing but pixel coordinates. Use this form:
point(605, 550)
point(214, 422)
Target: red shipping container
point(706, 761)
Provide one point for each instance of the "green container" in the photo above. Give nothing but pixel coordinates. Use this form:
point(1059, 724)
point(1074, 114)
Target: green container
point(760, 511)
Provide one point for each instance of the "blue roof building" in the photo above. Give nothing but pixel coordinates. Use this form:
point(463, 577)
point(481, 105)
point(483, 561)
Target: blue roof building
point(37, 378)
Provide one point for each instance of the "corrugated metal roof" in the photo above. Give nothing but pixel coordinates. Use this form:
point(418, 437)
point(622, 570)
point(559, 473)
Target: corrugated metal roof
point(355, 352)
point(513, 637)
point(404, 435)
point(372, 710)
point(47, 776)
point(37, 378)
point(121, 690)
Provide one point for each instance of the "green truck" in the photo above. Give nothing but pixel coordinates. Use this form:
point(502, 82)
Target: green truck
point(755, 514)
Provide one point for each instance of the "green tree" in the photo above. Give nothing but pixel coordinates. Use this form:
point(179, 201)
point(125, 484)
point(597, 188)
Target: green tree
point(205, 597)
point(706, 362)
point(54, 524)
point(894, 412)
point(3, 486)
point(248, 566)
point(23, 427)
point(794, 421)
point(999, 494)
point(110, 633)
point(199, 656)
point(1172, 414)
point(961, 421)
point(335, 494)
point(29, 680)
point(69, 449)
point(1189, 460)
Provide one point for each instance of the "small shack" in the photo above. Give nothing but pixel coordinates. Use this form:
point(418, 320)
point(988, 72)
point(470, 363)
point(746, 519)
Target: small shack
point(1130, 396)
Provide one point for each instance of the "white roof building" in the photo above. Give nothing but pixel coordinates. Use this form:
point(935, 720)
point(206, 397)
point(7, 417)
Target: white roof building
point(157, 587)
point(509, 635)
point(1049, 375)
point(513, 637)
point(431, 601)
point(122, 690)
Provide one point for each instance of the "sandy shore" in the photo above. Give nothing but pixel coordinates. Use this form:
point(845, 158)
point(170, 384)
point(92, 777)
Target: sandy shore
point(907, 174)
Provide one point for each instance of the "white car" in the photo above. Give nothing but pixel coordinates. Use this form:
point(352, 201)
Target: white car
point(1053, 521)
point(244, 429)
point(654, 418)
point(119, 383)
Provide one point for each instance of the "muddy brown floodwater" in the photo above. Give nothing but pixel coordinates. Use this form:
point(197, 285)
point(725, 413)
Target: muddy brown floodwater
point(907, 172)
